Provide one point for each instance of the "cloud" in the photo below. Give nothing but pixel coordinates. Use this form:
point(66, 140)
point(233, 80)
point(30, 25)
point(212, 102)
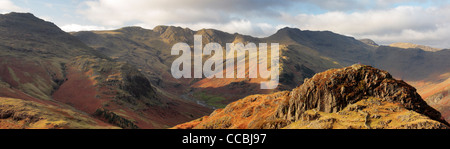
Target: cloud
point(120, 12)
point(352, 5)
point(7, 6)
point(77, 27)
point(399, 24)
point(436, 38)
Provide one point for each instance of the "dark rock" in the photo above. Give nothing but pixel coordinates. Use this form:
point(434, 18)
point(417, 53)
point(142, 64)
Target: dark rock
point(115, 119)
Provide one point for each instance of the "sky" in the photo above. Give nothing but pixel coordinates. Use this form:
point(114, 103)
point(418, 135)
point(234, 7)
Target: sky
point(425, 22)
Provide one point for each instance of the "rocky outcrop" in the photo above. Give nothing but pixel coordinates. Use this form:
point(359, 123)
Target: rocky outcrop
point(115, 119)
point(353, 97)
point(122, 80)
point(369, 42)
point(111, 91)
point(136, 84)
point(331, 91)
point(369, 113)
point(174, 34)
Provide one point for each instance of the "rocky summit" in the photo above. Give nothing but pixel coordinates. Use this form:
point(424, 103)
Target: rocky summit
point(355, 97)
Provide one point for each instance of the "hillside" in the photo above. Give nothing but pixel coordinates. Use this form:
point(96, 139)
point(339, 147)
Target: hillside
point(21, 114)
point(303, 53)
point(413, 46)
point(149, 50)
point(26, 33)
point(436, 92)
point(357, 97)
point(43, 64)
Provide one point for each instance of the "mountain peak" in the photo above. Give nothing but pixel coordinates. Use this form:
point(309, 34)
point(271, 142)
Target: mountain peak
point(15, 19)
point(132, 28)
point(19, 14)
point(172, 29)
point(289, 29)
point(24, 31)
point(174, 33)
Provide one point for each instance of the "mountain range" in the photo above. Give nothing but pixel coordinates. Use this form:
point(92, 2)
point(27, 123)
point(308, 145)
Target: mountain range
point(121, 79)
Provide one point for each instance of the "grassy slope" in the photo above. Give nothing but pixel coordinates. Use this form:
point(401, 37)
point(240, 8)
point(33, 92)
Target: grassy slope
point(19, 114)
point(370, 113)
point(35, 60)
point(436, 92)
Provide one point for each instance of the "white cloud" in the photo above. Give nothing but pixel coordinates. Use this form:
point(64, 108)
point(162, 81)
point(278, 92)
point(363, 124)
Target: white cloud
point(7, 6)
point(435, 38)
point(157, 12)
point(351, 5)
point(46, 18)
point(429, 26)
point(77, 27)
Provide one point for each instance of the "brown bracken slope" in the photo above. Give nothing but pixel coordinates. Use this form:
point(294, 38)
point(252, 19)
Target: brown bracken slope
point(42, 64)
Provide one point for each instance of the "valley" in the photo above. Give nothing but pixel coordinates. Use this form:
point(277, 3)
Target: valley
point(122, 79)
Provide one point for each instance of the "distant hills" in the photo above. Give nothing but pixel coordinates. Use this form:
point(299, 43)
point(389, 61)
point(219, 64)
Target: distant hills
point(414, 46)
point(122, 77)
point(303, 53)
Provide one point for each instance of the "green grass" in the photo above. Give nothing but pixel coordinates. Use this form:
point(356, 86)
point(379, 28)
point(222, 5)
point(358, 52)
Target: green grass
point(212, 100)
point(13, 75)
